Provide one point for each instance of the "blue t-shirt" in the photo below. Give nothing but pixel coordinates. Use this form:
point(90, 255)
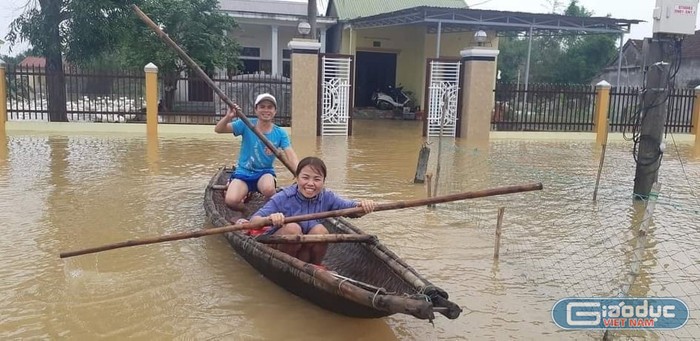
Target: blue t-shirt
point(255, 159)
point(291, 203)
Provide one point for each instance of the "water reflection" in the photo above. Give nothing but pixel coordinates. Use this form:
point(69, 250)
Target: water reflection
point(3, 149)
point(59, 193)
point(153, 154)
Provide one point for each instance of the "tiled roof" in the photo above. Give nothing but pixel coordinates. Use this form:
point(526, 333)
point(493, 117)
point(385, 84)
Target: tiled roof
point(33, 61)
point(352, 9)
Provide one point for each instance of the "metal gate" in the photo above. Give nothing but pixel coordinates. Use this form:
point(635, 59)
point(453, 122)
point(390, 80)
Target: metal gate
point(336, 83)
point(443, 97)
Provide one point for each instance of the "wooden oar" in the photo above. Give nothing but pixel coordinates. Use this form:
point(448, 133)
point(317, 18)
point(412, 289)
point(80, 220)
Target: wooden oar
point(337, 213)
point(193, 65)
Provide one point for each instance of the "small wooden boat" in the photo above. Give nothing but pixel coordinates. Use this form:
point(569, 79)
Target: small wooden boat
point(363, 280)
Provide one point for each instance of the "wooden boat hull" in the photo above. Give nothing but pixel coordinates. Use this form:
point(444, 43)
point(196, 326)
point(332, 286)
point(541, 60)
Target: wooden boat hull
point(364, 280)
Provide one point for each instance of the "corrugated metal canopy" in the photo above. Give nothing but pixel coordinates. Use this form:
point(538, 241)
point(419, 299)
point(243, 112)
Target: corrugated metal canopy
point(264, 6)
point(452, 19)
point(352, 9)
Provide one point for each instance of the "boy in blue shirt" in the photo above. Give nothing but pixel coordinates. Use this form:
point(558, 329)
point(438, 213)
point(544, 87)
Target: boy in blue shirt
point(255, 171)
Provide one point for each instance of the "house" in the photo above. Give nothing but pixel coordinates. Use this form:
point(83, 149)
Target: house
point(632, 71)
point(385, 55)
point(416, 44)
point(264, 29)
point(392, 53)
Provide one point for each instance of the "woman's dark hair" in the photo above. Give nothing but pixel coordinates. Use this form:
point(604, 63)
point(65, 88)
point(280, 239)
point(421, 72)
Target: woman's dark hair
point(315, 163)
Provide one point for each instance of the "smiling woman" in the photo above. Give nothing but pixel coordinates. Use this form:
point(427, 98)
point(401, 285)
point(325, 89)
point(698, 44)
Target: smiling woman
point(308, 195)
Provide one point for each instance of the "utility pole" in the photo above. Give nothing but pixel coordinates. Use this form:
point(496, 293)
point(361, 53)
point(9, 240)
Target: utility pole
point(653, 119)
point(312, 10)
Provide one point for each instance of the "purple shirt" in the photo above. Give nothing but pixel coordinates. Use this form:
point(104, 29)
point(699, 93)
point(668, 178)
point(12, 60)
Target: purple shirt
point(291, 203)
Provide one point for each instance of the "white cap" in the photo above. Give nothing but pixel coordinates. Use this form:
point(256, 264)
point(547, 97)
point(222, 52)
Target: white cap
point(265, 96)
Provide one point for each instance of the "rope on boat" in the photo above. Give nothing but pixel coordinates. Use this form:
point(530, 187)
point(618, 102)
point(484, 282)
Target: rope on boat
point(341, 283)
point(423, 290)
point(356, 282)
point(374, 297)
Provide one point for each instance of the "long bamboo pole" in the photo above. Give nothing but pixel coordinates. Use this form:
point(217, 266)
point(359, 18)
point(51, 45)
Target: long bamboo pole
point(193, 65)
point(304, 217)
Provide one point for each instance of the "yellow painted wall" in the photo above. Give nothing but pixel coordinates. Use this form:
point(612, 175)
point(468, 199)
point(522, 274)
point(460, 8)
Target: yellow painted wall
point(413, 45)
point(405, 41)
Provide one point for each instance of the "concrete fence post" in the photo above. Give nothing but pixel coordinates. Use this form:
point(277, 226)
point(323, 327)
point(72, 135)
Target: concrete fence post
point(696, 113)
point(151, 71)
point(600, 114)
point(305, 83)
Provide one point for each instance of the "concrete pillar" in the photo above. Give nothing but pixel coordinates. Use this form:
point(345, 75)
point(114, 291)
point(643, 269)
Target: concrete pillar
point(151, 71)
point(275, 50)
point(323, 40)
point(304, 87)
point(479, 81)
point(3, 97)
point(600, 113)
point(696, 113)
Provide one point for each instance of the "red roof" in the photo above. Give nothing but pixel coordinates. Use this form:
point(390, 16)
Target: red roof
point(33, 61)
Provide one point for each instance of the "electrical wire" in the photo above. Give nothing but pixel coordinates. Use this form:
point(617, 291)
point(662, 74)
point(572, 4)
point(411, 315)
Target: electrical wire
point(671, 50)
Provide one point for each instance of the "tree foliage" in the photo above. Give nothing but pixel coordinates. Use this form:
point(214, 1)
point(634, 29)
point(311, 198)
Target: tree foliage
point(197, 27)
point(94, 31)
point(558, 57)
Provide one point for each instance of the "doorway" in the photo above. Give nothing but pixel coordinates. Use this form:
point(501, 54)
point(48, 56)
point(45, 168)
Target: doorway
point(375, 70)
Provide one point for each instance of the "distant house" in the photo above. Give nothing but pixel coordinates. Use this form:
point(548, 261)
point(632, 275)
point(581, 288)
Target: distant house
point(632, 72)
point(32, 61)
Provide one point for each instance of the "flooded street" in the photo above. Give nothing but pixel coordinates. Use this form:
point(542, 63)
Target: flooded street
point(64, 192)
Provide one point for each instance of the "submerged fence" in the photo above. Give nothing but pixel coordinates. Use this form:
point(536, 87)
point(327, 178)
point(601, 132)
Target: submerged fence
point(90, 95)
point(543, 107)
point(626, 104)
point(570, 107)
point(98, 95)
point(93, 95)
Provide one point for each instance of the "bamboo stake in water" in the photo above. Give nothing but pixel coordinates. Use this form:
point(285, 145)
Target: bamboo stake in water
point(442, 127)
point(600, 170)
point(602, 160)
point(429, 182)
point(497, 245)
point(422, 166)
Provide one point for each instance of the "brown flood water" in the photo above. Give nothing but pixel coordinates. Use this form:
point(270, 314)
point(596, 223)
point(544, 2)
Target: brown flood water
point(60, 193)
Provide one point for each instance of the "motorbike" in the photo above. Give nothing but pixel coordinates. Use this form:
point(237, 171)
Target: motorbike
point(390, 98)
